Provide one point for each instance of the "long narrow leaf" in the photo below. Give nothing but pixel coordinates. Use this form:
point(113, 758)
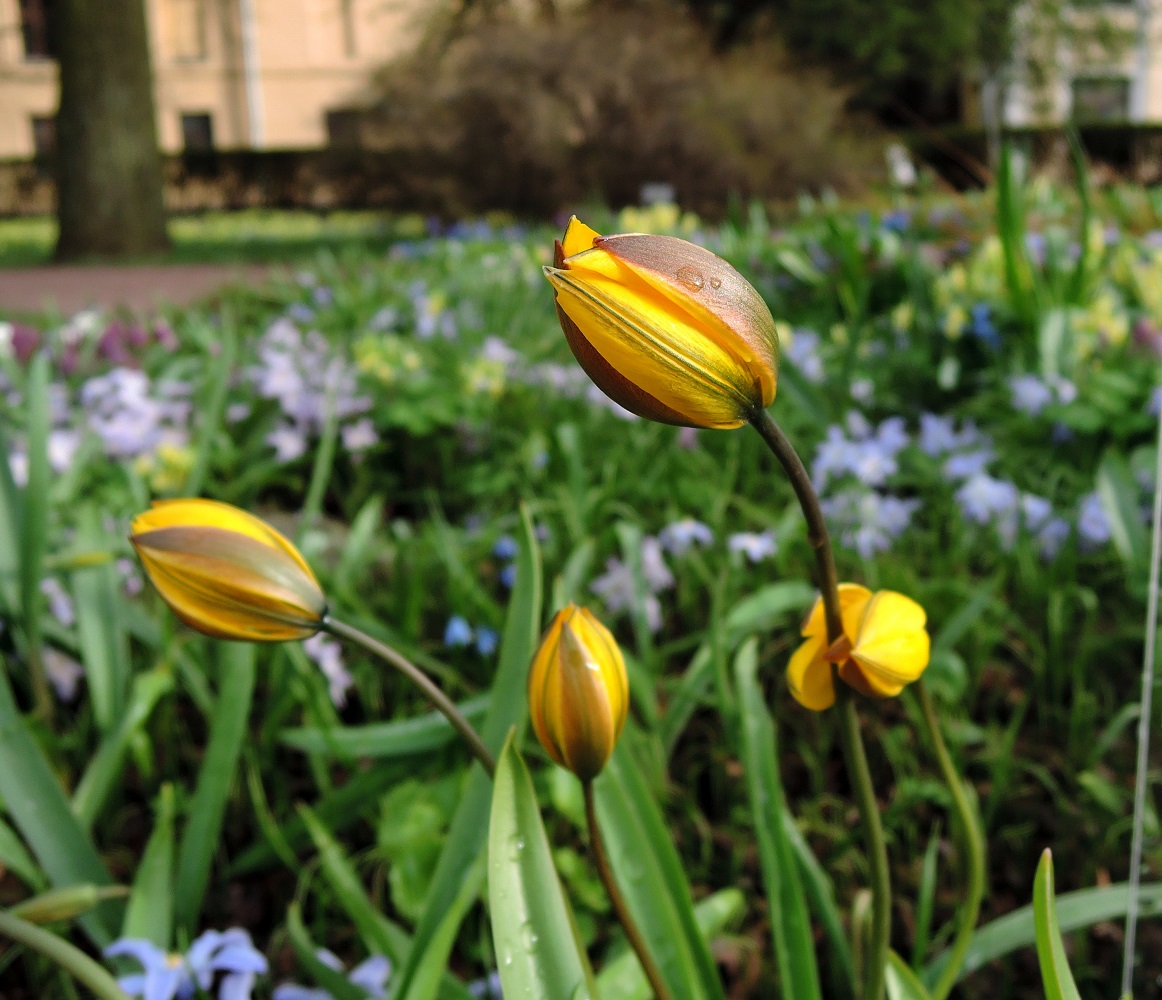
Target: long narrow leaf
point(508, 707)
point(37, 804)
point(623, 978)
point(650, 875)
point(56, 949)
point(103, 640)
point(532, 931)
point(217, 774)
point(306, 951)
point(149, 915)
point(1075, 910)
point(380, 740)
point(14, 857)
point(794, 942)
point(1055, 974)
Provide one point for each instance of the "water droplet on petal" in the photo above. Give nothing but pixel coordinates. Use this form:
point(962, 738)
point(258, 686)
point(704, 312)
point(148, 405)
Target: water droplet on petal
point(715, 282)
point(691, 278)
point(516, 844)
point(528, 936)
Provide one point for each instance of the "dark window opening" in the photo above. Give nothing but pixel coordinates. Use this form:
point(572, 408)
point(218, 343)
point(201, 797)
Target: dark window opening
point(36, 29)
point(198, 132)
point(344, 127)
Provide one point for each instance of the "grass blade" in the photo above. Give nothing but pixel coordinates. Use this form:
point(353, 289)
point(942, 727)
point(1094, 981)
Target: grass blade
point(219, 768)
point(794, 942)
point(56, 949)
point(652, 879)
point(1055, 974)
point(149, 915)
point(508, 707)
point(35, 801)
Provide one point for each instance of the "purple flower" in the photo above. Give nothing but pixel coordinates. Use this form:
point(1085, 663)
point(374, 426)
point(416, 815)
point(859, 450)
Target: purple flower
point(967, 463)
point(655, 572)
point(165, 976)
point(1030, 394)
point(370, 976)
point(938, 435)
point(488, 988)
point(328, 656)
point(507, 576)
point(360, 435)
point(678, 537)
point(1052, 536)
point(63, 673)
point(983, 499)
point(868, 521)
point(60, 604)
point(982, 326)
point(756, 546)
point(1093, 526)
point(803, 353)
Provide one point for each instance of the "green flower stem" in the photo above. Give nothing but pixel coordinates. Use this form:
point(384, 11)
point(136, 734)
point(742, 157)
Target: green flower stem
point(972, 847)
point(849, 730)
point(601, 859)
point(56, 949)
point(413, 673)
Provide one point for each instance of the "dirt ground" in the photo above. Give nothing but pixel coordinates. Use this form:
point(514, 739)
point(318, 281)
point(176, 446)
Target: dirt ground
point(67, 289)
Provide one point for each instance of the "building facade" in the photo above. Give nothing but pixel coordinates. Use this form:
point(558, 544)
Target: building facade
point(230, 74)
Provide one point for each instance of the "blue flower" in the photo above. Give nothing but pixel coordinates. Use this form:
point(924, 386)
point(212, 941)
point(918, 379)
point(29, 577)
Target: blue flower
point(370, 976)
point(1093, 526)
point(505, 547)
point(967, 463)
point(488, 988)
point(457, 633)
point(756, 546)
point(486, 640)
point(166, 976)
point(508, 576)
point(1052, 536)
point(678, 537)
point(983, 499)
point(803, 353)
point(982, 326)
point(1030, 394)
point(869, 521)
point(897, 221)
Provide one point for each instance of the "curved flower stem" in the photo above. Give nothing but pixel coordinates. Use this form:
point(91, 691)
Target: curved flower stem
point(853, 751)
point(972, 846)
point(601, 859)
point(80, 966)
point(413, 673)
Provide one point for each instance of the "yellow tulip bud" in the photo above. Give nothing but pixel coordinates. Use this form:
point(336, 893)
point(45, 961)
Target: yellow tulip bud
point(578, 692)
point(664, 327)
point(226, 573)
point(884, 647)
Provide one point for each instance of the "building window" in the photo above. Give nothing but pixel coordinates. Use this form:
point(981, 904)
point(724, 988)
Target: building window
point(1101, 99)
point(188, 30)
point(344, 127)
point(197, 132)
point(35, 22)
point(43, 136)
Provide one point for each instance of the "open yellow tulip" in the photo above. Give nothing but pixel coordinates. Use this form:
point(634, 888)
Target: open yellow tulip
point(226, 573)
point(884, 647)
point(578, 692)
point(664, 327)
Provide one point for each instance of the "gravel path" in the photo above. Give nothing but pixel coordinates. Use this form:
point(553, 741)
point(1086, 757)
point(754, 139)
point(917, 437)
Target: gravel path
point(140, 288)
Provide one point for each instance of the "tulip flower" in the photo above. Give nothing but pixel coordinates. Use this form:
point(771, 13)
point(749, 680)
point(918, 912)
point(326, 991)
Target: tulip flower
point(884, 647)
point(578, 692)
point(665, 328)
point(226, 573)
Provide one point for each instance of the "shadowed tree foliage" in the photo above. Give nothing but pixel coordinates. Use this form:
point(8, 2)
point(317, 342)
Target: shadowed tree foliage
point(109, 173)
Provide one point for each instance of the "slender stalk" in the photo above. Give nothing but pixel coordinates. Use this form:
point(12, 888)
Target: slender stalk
point(413, 673)
point(601, 859)
point(70, 958)
point(854, 755)
point(972, 846)
point(1145, 713)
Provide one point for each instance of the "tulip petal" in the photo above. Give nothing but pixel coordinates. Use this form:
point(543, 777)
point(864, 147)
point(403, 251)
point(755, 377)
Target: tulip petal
point(191, 512)
point(809, 676)
point(231, 585)
point(656, 347)
point(719, 299)
point(611, 382)
point(892, 647)
point(853, 599)
point(578, 237)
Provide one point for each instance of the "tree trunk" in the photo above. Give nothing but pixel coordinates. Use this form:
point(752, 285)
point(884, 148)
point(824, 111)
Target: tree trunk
point(109, 170)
